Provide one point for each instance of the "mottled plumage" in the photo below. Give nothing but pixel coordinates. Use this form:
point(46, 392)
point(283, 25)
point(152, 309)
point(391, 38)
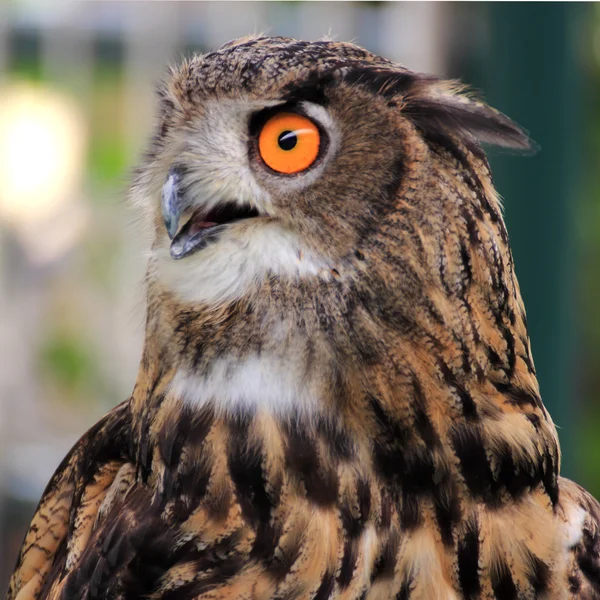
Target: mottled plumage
point(336, 397)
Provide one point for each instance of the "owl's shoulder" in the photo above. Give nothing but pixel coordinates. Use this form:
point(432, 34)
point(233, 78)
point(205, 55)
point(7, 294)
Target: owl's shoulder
point(581, 516)
point(67, 511)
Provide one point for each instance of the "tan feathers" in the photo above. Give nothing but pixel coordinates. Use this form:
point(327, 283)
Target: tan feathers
point(337, 397)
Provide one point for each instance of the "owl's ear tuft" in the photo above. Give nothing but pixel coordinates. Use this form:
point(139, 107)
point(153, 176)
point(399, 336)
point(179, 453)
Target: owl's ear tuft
point(439, 109)
point(386, 82)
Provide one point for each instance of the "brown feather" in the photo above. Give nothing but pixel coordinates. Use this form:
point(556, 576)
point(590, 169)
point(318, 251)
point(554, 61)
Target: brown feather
point(429, 467)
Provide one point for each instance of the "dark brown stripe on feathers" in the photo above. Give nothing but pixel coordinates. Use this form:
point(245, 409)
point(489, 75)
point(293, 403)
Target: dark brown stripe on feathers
point(468, 561)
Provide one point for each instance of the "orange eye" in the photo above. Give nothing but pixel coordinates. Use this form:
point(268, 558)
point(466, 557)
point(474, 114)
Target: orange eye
point(289, 143)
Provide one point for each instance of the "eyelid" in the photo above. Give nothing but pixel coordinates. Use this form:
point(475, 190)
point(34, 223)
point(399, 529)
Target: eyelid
point(258, 119)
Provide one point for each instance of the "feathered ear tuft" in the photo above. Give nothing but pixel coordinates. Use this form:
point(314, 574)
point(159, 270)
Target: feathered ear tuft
point(440, 107)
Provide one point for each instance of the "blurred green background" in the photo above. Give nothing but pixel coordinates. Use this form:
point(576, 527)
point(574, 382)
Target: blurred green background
point(76, 107)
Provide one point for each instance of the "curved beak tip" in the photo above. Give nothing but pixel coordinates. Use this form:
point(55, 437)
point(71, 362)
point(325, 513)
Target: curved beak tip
point(171, 201)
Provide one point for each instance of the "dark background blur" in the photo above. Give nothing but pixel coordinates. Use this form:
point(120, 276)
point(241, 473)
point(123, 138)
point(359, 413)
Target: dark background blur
point(76, 106)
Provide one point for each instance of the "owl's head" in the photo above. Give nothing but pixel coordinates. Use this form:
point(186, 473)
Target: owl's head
point(280, 158)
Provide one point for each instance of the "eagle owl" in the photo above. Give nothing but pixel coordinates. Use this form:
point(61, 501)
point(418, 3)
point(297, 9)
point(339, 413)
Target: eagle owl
point(336, 397)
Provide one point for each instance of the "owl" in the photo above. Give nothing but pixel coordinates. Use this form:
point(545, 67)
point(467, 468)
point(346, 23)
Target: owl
point(336, 397)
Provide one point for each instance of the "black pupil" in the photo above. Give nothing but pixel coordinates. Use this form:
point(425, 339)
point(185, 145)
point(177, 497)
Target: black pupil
point(287, 140)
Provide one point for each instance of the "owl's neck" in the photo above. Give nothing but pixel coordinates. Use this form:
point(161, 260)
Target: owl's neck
point(423, 434)
point(427, 407)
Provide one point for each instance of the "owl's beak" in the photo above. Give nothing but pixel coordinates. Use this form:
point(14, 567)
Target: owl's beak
point(172, 203)
point(204, 226)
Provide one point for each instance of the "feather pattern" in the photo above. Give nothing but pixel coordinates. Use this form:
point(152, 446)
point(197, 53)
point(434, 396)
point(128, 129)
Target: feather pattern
point(427, 469)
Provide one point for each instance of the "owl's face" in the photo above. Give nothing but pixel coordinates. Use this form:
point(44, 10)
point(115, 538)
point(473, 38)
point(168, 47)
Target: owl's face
point(277, 158)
